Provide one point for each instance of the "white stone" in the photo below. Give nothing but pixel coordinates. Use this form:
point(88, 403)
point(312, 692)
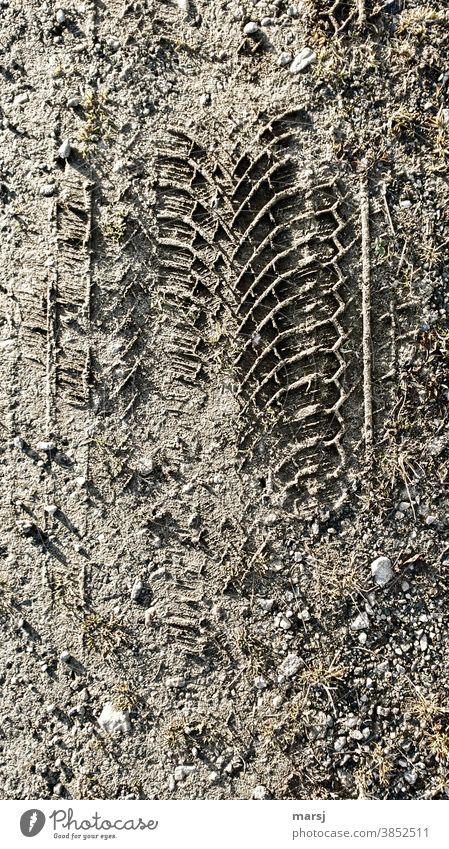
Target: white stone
point(20, 99)
point(177, 682)
point(65, 149)
point(183, 771)
point(360, 623)
point(290, 665)
point(60, 16)
point(261, 792)
point(45, 446)
point(114, 721)
point(284, 59)
point(136, 590)
point(381, 570)
point(250, 28)
point(47, 189)
point(304, 58)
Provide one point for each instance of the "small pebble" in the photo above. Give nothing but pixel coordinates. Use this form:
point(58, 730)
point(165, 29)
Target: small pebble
point(290, 666)
point(285, 59)
point(47, 190)
point(150, 616)
point(177, 682)
point(65, 149)
point(266, 604)
point(136, 590)
point(51, 509)
point(114, 721)
point(423, 643)
point(20, 99)
point(381, 570)
point(360, 623)
point(60, 17)
point(183, 771)
point(261, 792)
point(302, 60)
point(65, 656)
point(250, 28)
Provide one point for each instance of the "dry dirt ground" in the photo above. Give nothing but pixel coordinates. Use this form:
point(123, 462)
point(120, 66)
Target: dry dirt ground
point(224, 394)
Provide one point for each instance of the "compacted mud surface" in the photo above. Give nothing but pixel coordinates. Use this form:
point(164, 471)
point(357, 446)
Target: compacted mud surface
point(224, 399)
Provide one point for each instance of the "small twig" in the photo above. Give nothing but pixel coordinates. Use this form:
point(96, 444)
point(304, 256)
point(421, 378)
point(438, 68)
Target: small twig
point(387, 209)
point(401, 261)
point(361, 12)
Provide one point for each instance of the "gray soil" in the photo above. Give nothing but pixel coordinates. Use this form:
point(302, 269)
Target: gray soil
point(224, 394)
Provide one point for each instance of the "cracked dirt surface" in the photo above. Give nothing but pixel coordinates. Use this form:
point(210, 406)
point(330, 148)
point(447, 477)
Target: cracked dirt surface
point(224, 393)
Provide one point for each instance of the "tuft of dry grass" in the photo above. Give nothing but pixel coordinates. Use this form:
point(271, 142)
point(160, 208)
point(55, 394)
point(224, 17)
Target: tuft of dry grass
point(334, 575)
point(104, 634)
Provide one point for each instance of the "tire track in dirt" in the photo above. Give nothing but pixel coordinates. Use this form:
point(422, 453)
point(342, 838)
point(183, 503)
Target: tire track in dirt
point(276, 250)
point(282, 244)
